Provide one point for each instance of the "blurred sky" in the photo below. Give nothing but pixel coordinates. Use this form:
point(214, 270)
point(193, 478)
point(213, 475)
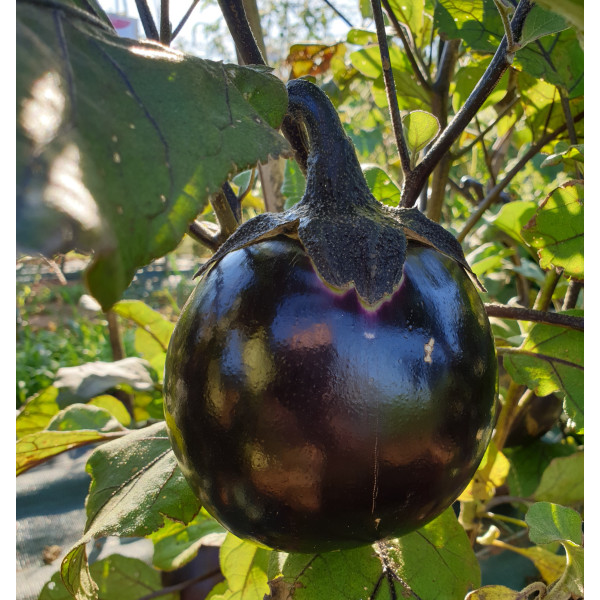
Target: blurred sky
point(193, 37)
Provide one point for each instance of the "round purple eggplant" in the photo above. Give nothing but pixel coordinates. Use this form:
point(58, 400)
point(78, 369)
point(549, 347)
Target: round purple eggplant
point(327, 390)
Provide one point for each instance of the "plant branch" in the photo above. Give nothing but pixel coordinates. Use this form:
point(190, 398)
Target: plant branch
point(537, 316)
point(407, 47)
point(390, 88)
point(224, 214)
point(147, 21)
point(202, 234)
point(572, 294)
point(165, 24)
point(500, 62)
point(544, 297)
point(564, 101)
point(495, 191)
point(184, 19)
point(338, 13)
point(483, 133)
point(505, 12)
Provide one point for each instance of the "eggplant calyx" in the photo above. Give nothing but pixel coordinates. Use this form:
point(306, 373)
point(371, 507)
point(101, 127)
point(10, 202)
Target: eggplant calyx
point(353, 240)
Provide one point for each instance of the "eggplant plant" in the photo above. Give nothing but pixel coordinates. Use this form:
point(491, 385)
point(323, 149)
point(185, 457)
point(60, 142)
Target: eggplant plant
point(366, 392)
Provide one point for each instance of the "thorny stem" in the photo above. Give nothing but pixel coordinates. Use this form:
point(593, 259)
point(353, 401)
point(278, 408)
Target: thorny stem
point(537, 316)
point(147, 21)
point(495, 191)
point(407, 48)
point(412, 185)
point(390, 88)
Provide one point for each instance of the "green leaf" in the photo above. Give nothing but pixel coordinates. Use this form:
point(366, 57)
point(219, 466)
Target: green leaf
point(528, 463)
point(136, 485)
point(437, 562)
point(553, 523)
point(420, 127)
point(551, 360)
point(410, 12)
point(244, 565)
point(556, 230)
point(381, 185)
point(541, 22)
point(114, 407)
point(557, 59)
point(466, 78)
point(562, 481)
point(120, 143)
point(410, 94)
point(494, 592)
point(91, 379)
point(118, 578)
point(293, 184)
point(153, 333)
point(36, 448)
point(574, 153)
point(151, 321)
point(571, 10)
point(513, 216)
point(361, 37)
point(176, 543)
point(37, 413)
point(84, 416)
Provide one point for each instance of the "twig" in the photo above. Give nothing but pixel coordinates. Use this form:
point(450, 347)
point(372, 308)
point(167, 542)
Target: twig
point(390, 88)
point(500, 62)
point(202, 234)
point(118, 352)
point(544, 297)
point(165, 24)
point(505, 12)
point(407, 48)
point(536, 316)
point(184, 20)
point(147, 21)
point(572, 294)
point(495, 191)
point(338, 13)
point(224, 214)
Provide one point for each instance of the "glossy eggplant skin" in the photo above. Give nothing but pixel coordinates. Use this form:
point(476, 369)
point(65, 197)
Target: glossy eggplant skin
point(308, 423)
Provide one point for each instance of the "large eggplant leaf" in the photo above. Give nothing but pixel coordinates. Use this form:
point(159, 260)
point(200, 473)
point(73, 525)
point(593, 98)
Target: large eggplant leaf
point(120, 143)
point(136, 485)
point(436, 562)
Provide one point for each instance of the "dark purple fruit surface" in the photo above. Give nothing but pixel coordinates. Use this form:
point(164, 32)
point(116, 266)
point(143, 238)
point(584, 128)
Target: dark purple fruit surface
point(307, 422)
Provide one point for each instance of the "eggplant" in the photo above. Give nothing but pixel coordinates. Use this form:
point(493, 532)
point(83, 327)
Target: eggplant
point(331, 380)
